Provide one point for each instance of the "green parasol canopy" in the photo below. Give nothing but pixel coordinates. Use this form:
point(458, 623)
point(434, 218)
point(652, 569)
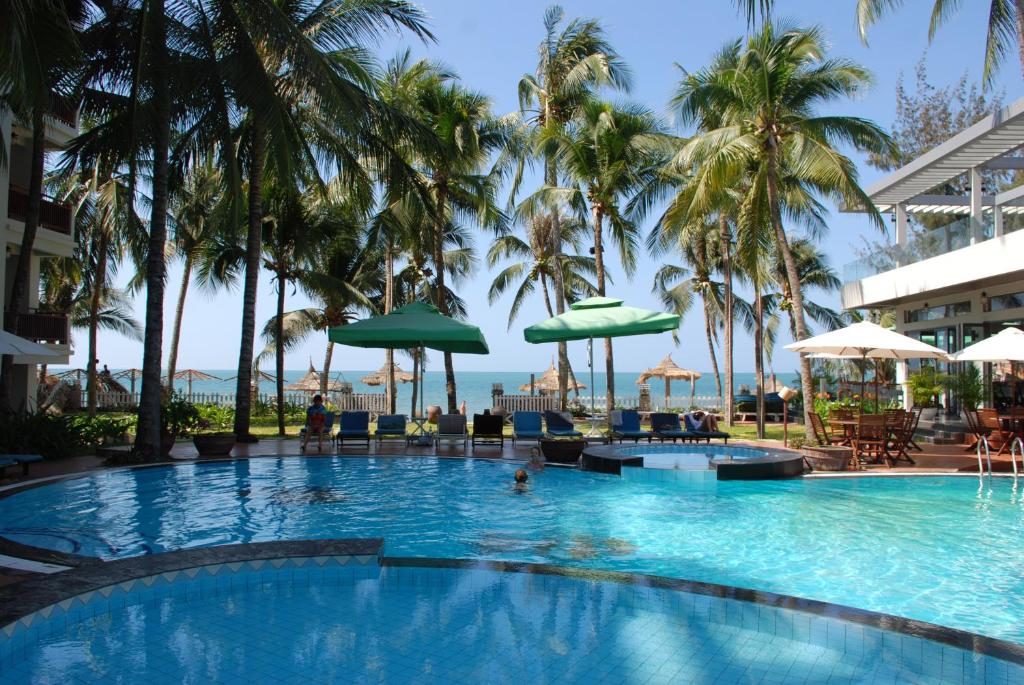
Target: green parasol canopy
point(414, 325)
point(600, 317)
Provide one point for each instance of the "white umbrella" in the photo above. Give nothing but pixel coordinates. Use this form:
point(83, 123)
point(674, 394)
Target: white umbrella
point(15, 346)
point(866, 339)
point(1005, 346)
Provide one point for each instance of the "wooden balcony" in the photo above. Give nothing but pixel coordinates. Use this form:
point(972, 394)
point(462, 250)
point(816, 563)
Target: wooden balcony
point(52, 215)
point(42, 327)
point(63, 109)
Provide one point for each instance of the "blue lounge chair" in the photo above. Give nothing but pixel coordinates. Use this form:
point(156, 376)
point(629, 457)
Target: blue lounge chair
point(355, 427)
point(666, 427)
point(626, 426)
point(526, 425)
point(15, 459)
point(390, 427)
point(691, 426)
point(560, 425)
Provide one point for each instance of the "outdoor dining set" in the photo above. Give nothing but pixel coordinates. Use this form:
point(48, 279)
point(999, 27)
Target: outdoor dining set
point(874, 438)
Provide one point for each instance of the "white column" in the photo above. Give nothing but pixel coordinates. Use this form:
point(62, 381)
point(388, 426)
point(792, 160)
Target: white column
point(997, 221)
point(901, 381)
point(901, 233)
point(976, 210)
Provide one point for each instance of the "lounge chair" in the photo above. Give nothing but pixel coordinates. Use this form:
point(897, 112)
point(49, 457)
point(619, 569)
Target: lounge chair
point(355, 427)
point(666, 427)
point(18, 459)
point(691, 426)
point(451, 427)
point(488, 429)
point(328, 426)
point(560, 425)
point(390, 427)
point(527, 425)
point(626, 426)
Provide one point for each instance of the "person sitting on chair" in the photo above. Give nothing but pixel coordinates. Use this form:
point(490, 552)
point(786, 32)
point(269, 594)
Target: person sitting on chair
point(316, 422)
point(704, 421)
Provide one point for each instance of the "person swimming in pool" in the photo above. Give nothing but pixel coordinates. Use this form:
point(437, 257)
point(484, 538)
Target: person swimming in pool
point(521, 477)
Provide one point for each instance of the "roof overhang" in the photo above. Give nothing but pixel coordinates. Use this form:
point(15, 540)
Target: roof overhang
point(980, 145)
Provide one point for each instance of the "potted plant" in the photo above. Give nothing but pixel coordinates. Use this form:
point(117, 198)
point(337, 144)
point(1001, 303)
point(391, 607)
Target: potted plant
point(178, 417)
point(213, 437)
point(967, 387)
point(926, 385)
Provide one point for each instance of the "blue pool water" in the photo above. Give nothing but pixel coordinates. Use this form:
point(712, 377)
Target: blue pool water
point(412, 625)
point(934, 549)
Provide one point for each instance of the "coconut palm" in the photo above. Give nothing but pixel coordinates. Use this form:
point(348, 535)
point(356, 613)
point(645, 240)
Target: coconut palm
point(193, 218)
point(1003, 32)
point(463, 136)
point(609, 154)
point(575, 60)
point(767, 134)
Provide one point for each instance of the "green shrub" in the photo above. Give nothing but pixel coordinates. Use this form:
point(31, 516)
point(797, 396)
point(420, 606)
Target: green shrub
point(103, 428)
point(52, 436)
point(926, 385)
point(967, 387)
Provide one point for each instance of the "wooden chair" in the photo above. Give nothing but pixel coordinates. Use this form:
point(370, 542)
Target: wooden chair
point(917, 419)
point(871, 439)
point(821, 433)
point(845, 430)
point(992, 427)
point(901, 433)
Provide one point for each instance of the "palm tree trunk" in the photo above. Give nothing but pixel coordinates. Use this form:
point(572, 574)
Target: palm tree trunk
point(279, 344)
point(99, 278)
point(793, 277)
point(254, 243)
point(179, 312)
point(326, 375)
point(148, 427)
point(609, 363)
point(442, 301)
point(19, 286)
point(759, 357)
point(389, 303)
point(726, 238)
point(416, 371)
point(551, 180)
point(711, 349)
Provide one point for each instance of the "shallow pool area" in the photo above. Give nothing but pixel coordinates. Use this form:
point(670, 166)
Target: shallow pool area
point(938, 549)
point(344, 618)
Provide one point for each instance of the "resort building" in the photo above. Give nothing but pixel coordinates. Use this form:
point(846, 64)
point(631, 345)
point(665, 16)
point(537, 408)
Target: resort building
point(954, 273)
point(55, 238)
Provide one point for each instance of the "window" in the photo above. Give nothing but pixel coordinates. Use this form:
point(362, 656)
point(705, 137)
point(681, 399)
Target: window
point(1000, 302)
point(942, 311)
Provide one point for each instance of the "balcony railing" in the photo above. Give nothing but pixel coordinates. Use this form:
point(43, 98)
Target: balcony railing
point(63, 109)
point(924, 244)
point(52, 215)
point(42, 327)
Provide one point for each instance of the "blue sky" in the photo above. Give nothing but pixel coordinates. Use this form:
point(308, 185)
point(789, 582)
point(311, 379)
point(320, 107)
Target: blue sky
point(491, 45)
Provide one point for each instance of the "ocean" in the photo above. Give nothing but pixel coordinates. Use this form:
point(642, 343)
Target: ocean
point(472, 386)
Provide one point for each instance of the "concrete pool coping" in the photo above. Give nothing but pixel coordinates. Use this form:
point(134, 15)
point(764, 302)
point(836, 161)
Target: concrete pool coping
point(23, 601)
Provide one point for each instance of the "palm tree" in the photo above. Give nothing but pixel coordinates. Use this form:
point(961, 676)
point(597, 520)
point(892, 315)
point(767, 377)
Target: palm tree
point(768, 135)
point(40, 48)
point(463, 136)
point(575, 60)
point(1003, 33)
point(297, 73)
point(193, 206)
point(609, 155)
point(678, 285)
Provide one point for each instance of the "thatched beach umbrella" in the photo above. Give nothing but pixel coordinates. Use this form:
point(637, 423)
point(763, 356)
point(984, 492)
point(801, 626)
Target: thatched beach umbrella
point(669, 371)
point(548, 382)
point(132, 375)
point(193, 375)
point(380, 377)
point(311, 382)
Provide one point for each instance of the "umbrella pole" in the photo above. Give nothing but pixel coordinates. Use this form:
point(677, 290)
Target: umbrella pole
point(863, 370)
point(668, 391)
point(876, 386)
point(590, 353)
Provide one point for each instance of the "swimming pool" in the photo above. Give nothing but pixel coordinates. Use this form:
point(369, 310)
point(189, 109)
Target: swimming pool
point(933, 549)
point(346, 619)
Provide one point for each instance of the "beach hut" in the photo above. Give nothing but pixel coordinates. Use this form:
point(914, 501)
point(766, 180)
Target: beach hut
point(194, 375)
point(380, 377)
point(548, 382)
point(669, 371)
point(310, 383)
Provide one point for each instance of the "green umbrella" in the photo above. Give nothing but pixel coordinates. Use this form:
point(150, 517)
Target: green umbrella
point(599, 317)
point(414, 325)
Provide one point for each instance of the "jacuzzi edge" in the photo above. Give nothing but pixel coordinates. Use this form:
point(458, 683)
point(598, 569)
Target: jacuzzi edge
point(22, 602)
